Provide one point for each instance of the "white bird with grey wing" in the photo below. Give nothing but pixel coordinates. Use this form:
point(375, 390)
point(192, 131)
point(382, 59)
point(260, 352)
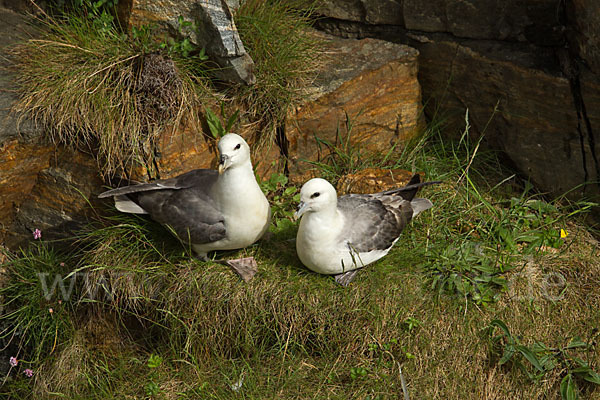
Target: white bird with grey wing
point(339, 235)
point(211, 210)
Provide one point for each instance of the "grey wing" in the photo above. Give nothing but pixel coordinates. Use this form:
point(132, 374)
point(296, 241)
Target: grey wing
point(370, 225)
point(191, 213)
point(194, 178)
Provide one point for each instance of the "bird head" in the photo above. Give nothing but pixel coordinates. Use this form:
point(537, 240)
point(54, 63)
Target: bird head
point(316, 195)
point(233, 151)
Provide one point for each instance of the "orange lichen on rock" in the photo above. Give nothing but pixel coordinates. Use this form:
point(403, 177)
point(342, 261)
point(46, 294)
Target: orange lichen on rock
point(373, 180)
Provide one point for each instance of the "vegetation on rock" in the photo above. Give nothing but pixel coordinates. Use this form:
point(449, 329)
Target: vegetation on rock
point(286, 56)
point(101, 91)
point(95, 88)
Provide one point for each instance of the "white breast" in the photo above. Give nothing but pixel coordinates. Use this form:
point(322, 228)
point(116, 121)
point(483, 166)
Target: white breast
point(245, 209)
point(320, 248)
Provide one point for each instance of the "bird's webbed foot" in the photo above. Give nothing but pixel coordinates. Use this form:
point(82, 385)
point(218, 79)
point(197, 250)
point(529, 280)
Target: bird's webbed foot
point(345, 278)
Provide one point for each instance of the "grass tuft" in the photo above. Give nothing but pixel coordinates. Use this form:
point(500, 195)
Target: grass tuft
point(36, 315)
point(101, 91)
point(276, 35)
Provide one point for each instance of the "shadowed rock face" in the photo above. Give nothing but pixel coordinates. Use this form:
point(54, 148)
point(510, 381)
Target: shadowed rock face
point(526, 112)
point(370, 12)
point(528, 72)
point(514, 20)
point(584, 30)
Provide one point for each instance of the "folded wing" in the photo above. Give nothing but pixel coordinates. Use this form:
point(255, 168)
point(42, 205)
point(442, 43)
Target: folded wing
point(183, 203)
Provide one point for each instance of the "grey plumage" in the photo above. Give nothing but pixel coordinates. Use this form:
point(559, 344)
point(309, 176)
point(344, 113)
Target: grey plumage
point(182, 203)
point(374, 221)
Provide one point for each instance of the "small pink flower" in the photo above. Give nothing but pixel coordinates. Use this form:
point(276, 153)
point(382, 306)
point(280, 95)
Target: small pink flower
point(28, 372)
point(62, 264)
point(50, 310)
point(37, 234)
point(13, 361)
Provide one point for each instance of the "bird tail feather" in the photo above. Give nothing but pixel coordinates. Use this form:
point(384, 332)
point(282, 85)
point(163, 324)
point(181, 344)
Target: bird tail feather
point(124, 204)
point(419, 205)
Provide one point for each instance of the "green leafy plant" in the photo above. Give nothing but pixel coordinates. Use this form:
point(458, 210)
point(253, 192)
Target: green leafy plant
point(215, 123)
point(411, 323)
point(154, 361)
point(183, 47)
point(469, 271)
point(100, 12)
point(283, 199)
point(151, 387)
point(142, 38)
point(529, 222)
point(358, 372)
point(537, 359)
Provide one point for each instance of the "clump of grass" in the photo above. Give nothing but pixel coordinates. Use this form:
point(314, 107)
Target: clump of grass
point(100, 90)
point(275, 34)
point(127, 260)
point(343, 157)
point(37, 303)
point(66, 372)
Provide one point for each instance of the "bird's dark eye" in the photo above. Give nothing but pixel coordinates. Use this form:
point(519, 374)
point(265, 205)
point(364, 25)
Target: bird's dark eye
point(315, 194)
point(237, 146)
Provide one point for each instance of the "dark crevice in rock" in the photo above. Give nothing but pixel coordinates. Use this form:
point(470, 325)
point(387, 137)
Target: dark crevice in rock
point(357, 30)
point(155, 163)
point(523, 54)
point(570, 63)
point(283, 144)
point(582, 116)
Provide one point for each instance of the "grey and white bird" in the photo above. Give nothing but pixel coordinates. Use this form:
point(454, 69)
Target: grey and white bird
point(339, 235)
point(209, 209)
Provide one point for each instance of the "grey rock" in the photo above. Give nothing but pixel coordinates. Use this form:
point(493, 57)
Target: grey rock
point(233, 4)
point(535, 122)
point(212, 27)
point(386, 12)
point(216, 32)
point(535, 21)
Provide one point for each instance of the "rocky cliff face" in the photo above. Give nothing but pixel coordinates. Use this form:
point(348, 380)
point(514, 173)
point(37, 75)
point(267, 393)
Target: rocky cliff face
point(527, 71)
point(373, 83)
point(54, 189)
